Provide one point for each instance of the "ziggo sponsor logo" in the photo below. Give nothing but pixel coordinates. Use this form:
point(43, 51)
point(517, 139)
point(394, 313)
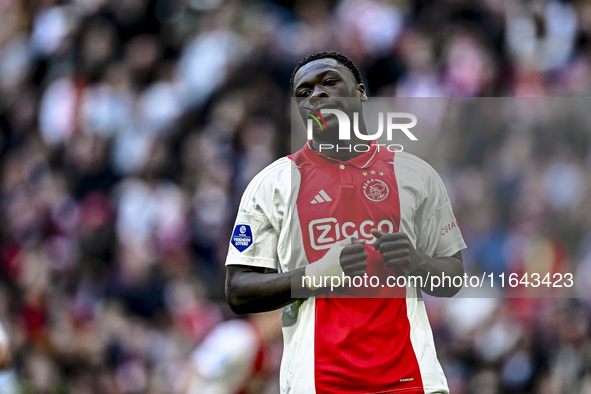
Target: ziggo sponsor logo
point(325, 232)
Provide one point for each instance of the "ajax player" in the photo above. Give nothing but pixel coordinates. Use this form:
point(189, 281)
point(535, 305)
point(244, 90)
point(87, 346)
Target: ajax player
point(318, 214)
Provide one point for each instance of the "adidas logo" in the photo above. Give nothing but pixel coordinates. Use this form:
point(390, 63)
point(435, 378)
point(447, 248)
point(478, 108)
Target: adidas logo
point(321, 197)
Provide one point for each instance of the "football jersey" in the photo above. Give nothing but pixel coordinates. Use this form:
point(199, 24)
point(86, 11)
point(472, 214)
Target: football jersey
point(296, 209)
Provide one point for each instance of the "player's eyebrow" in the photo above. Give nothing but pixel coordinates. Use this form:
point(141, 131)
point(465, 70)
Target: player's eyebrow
point(308, 83)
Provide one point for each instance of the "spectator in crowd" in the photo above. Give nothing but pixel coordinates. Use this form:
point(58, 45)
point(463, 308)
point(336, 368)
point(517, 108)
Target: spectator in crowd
point(235, 357)
point(5, 355)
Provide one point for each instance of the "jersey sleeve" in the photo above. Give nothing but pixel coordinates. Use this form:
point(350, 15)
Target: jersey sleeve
point(439, 234)
point(256, 229)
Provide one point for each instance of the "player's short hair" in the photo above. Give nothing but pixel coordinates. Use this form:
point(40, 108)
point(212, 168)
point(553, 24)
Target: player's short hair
point(339, 57)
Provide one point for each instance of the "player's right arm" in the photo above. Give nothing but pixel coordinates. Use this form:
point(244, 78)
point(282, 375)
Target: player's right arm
point(254, 289)
point(253, 281)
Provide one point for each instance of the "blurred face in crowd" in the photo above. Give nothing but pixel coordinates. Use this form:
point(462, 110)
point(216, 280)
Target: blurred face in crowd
point(322, 84)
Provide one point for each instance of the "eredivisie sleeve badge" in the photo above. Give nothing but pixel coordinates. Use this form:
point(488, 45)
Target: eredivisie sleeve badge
point(242, 237)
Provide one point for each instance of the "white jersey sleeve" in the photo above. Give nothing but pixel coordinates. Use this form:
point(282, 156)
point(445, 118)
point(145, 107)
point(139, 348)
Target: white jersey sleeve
point(434, 224)
point(260, 215)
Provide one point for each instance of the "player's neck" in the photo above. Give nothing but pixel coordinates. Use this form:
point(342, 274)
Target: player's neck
point(342, 150)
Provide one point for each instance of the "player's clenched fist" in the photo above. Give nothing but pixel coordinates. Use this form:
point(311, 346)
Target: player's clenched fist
point(353, 258)
point(397, 250)
point(343, 258)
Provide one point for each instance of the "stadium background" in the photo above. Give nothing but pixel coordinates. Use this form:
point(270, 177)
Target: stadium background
point(130, 128)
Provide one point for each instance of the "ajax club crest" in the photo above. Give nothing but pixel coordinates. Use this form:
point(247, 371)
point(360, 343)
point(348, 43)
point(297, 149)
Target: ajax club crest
point(376, 190)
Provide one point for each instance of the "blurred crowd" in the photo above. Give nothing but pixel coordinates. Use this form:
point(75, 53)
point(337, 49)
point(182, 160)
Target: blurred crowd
point(130, 128)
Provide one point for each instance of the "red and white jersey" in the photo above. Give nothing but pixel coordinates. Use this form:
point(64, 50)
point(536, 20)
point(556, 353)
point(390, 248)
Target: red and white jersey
point(293, 211)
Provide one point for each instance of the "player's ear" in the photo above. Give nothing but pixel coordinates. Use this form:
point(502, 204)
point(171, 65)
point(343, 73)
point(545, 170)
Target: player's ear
point(361, 91)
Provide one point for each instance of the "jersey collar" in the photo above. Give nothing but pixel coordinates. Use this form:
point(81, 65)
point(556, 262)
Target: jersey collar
point(364, 160)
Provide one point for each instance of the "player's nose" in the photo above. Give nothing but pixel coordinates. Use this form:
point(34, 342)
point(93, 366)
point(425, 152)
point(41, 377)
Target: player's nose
point(317, 94)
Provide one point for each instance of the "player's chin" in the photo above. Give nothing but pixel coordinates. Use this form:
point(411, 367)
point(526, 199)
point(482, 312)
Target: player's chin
point(327, 137)
point(332, 122)
point(332, 134)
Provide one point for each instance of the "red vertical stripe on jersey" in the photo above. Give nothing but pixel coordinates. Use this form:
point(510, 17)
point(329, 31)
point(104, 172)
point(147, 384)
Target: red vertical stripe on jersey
point(362, 345)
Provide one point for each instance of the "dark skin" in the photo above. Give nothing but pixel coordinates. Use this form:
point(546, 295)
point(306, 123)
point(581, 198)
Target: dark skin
point(252, 289)
point(323, 83)
point(398, 251)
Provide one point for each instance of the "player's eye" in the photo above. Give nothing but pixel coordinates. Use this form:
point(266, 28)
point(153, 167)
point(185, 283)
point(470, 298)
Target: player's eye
point(330, 82)
point(303, 93)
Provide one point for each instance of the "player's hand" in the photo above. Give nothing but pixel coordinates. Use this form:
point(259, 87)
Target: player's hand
point(346, 257)
point(4, 356)
point(353, 258)
point(397, 250)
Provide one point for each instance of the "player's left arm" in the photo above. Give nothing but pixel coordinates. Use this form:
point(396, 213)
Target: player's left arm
point(398, 251)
